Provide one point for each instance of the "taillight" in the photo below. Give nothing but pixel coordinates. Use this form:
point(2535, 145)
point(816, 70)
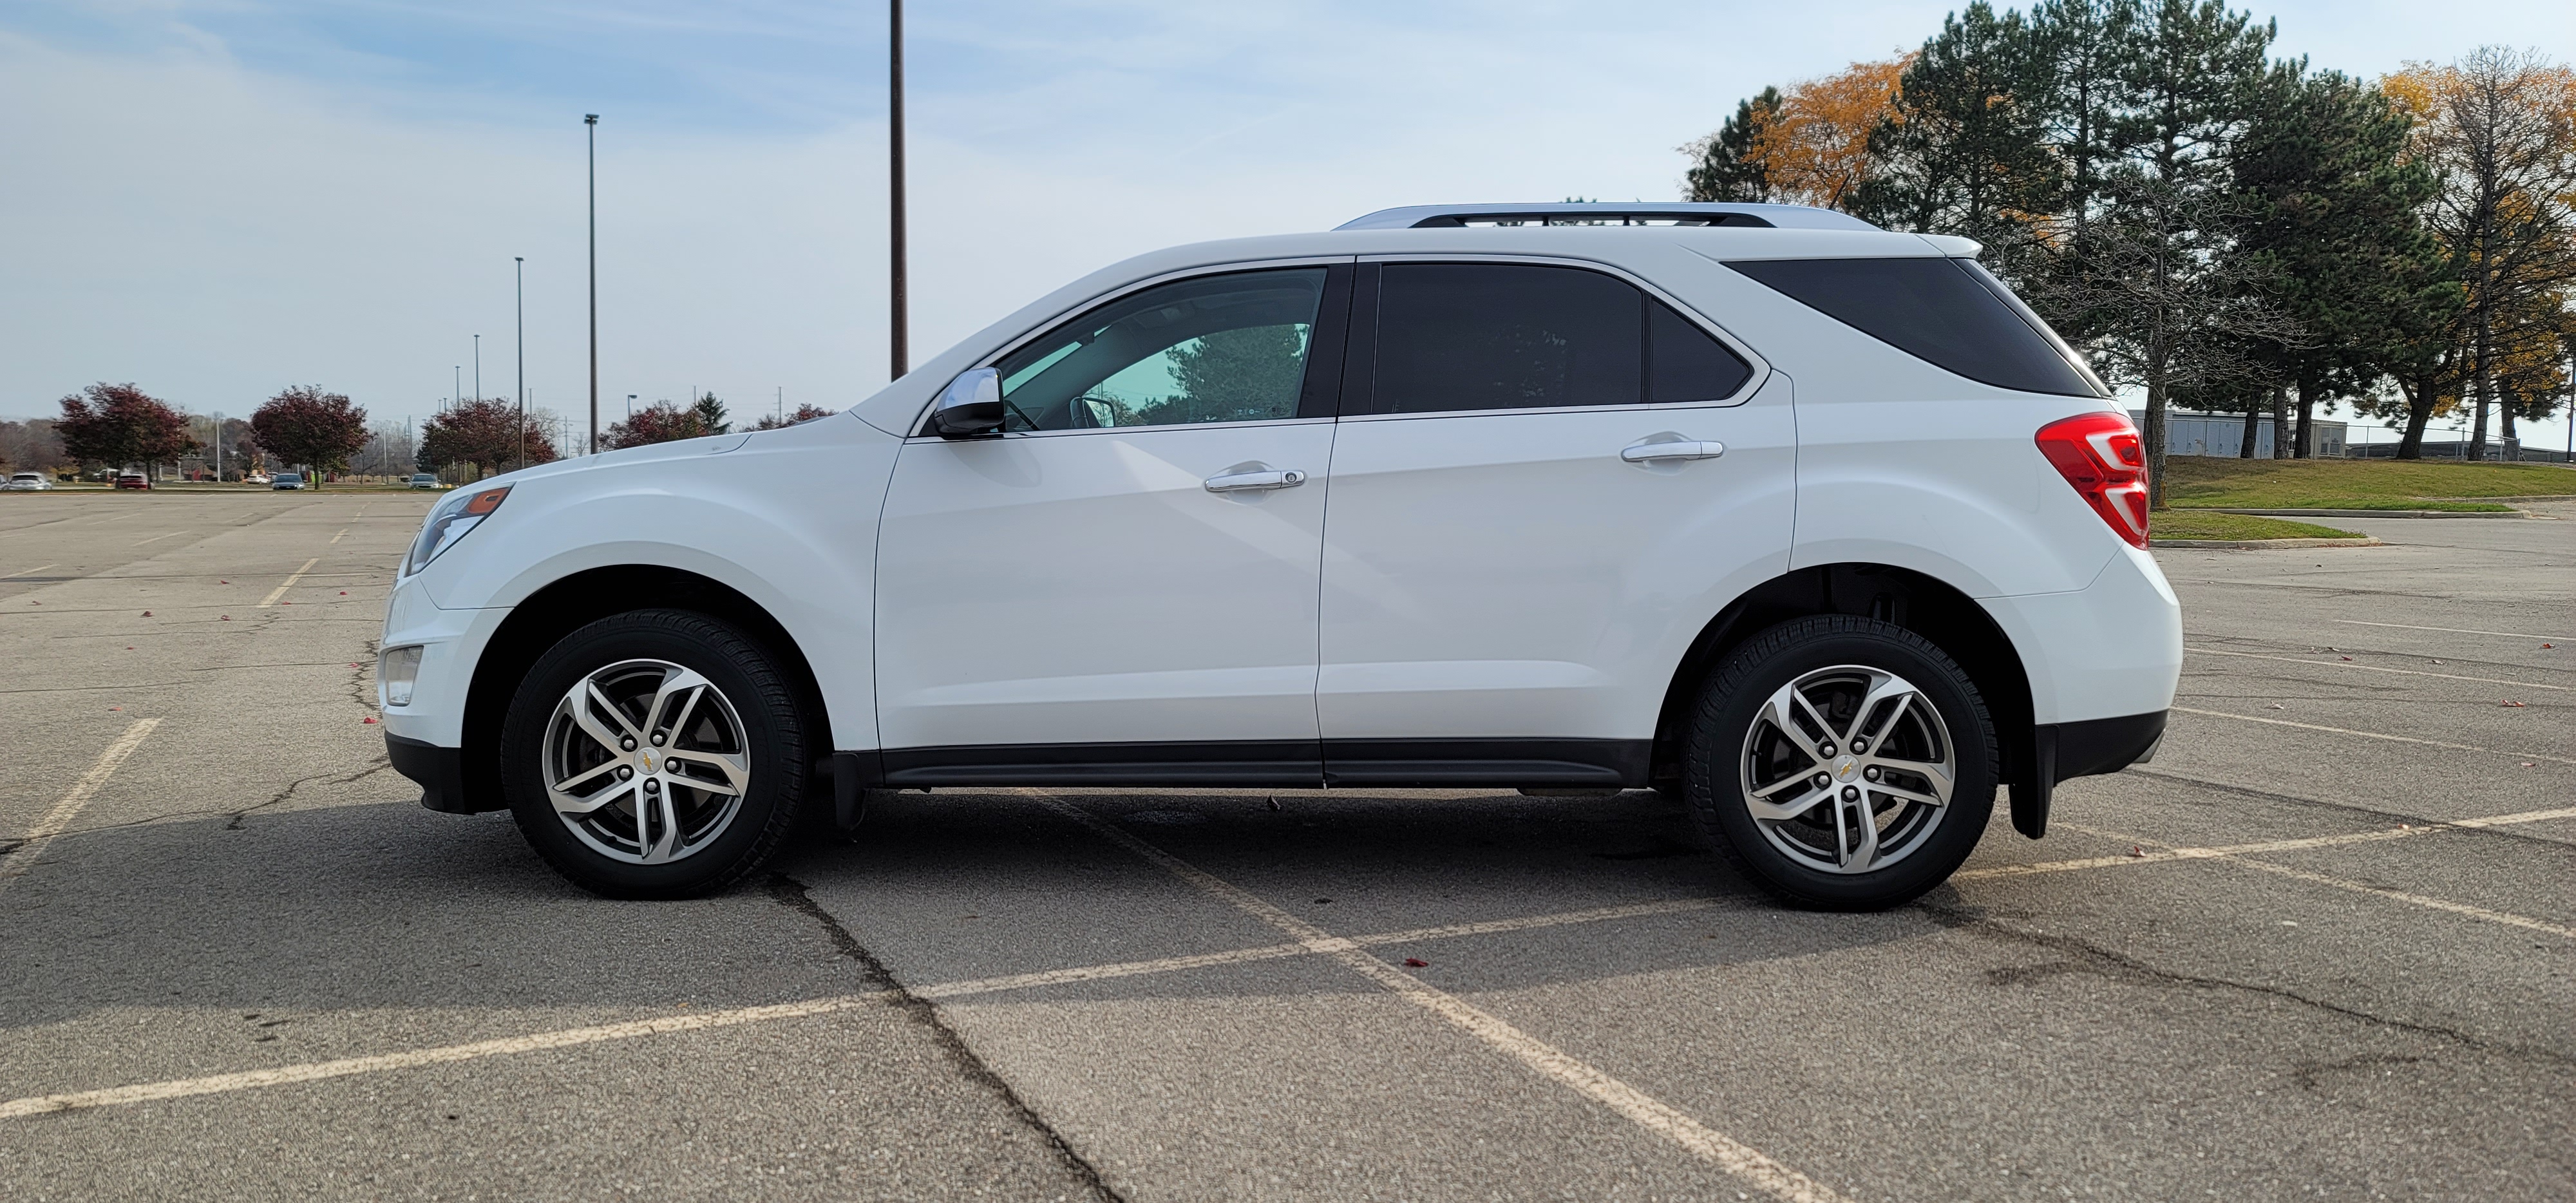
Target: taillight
point(2101, 455)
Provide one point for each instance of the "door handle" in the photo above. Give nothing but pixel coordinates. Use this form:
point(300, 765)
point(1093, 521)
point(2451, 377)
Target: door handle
point(1242, 482)
point(1649, 452)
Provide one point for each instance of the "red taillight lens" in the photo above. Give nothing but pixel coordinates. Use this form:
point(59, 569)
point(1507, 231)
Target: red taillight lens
point(2101, 455)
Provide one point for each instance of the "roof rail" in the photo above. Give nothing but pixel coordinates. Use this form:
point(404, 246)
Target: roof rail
point(1587, 213)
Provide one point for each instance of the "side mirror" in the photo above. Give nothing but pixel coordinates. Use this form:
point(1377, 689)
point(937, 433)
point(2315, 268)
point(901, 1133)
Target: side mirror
point(971, 406)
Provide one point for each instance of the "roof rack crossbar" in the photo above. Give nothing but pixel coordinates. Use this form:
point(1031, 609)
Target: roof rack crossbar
point(1587, 213)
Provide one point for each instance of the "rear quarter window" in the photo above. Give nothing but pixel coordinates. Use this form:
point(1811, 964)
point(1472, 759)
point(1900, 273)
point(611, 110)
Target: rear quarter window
point(1943, 311)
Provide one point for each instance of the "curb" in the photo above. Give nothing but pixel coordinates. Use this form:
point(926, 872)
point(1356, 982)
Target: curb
point(2258, 544)
point(2324, 513)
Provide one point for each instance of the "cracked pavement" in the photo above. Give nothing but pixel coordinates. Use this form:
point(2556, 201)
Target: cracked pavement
point(2280, 960)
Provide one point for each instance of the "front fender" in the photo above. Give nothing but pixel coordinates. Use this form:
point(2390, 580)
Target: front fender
point(788, 522)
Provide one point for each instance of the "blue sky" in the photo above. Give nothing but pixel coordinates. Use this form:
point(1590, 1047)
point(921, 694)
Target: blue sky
point(216, 199)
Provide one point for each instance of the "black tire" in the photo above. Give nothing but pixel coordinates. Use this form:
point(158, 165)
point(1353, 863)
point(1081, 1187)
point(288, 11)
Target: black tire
point(1721, 742)
point(767, 723)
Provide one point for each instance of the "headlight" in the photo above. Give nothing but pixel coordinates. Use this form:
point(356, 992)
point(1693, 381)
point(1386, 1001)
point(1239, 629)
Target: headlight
point(396, 670)
point(460, 513)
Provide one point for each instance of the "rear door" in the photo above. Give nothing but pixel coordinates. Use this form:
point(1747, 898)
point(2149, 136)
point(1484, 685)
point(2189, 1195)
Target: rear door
point(1546, 481)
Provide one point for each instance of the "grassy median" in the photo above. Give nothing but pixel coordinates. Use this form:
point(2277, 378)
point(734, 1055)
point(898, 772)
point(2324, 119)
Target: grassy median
point(2195, 524)
point(2196, 481)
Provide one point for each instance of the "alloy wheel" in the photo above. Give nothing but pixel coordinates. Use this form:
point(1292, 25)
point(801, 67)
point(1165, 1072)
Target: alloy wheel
point(1848, 769)
point(646, 761)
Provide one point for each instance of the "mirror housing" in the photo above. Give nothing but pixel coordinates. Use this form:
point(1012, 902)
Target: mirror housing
point(970, 407)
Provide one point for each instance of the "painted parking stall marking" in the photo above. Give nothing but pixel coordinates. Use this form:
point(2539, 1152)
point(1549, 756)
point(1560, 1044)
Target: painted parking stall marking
point(289, 583)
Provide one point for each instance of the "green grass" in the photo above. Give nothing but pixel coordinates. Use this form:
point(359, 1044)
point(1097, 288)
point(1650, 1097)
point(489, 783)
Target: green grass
point(2191, 524)
point(2197, 481)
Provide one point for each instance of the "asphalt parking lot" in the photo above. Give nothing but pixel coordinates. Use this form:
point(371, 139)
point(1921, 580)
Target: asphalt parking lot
point(2325, 945)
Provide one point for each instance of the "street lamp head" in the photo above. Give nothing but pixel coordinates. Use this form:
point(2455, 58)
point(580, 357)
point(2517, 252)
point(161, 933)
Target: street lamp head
point(590, 119)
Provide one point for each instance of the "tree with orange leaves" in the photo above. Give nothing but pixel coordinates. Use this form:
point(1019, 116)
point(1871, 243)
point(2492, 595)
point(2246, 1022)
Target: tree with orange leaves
point(2499, 128)
point(1814, 148)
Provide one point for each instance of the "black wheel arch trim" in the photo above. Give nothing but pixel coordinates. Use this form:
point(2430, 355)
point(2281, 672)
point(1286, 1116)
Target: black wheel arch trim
point(440, 773)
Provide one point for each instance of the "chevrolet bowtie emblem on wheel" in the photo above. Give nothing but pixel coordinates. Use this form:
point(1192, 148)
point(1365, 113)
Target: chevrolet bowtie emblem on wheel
point(1842, 771)
point(648, 763)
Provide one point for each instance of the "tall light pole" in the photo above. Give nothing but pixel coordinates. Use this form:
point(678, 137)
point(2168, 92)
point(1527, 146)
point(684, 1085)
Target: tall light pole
point(478, 367)
point(456, 388)
point(521, 271)
point(894, 76)
point(590, 123)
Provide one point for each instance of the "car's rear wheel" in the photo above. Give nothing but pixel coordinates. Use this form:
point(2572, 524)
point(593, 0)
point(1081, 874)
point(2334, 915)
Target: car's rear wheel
point(655, 754)
point(1842, 763)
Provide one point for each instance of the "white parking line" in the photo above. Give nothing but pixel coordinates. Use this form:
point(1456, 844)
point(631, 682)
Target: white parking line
point(2373, 668)
point(2363, 887)
point(314, 1071)
point(158, 538)
point(69, 807)
point(342, 535)
point(318, 1070)
point(2400, 739)
point(27, 571)
point(2406, 626)
point(1743, 1161)
point(280, 591)
point(2167, 852)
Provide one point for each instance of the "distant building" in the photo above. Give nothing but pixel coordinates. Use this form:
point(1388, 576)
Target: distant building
point(2224, 434)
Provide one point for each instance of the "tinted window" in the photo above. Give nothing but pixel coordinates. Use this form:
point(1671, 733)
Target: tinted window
point(1685, 364)
point(1228, 348)
point(1467, 336)
point(1934, 309)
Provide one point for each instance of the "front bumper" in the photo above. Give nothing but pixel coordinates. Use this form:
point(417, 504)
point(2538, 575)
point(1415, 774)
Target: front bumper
point(440, 773)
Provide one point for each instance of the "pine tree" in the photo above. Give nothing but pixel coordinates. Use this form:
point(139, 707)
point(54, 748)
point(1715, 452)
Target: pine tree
point(1724, 168)
point(2329, 204)
point(1963, 152)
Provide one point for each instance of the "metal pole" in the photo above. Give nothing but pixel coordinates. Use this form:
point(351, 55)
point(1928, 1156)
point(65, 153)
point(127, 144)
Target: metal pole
point(590, 122)
point(894, 75)
point(522, 285)
point(478, 367)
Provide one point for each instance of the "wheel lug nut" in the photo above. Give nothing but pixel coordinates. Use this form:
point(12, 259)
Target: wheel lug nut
point(624, 772)
point(1860, 745)
point(652, 785)
point(627, 744)
point(1823, 780)
point(1871, 772)
point(1827, 749)
point(1851, 793)
point(657, 739)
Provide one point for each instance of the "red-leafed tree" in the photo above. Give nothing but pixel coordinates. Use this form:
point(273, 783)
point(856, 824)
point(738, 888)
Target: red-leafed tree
point(307, 426)
point(486, 433)
point(118, 424)
point(662, 422)
point(804, 413)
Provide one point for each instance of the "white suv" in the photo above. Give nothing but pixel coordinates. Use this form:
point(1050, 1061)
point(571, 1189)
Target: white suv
point(1810, 525)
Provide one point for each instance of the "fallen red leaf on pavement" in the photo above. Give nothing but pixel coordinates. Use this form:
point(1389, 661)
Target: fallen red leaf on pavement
point(228, 618)
point(1416, 963)
point(2347, 657)
point(2510, 702)
point(223, 582)
point(368, 720)
point(2135, 850)
point(147, 613)
point(344, 593)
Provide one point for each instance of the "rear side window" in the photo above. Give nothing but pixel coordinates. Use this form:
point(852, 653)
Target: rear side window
point(1937, 310)
point(1457, 337)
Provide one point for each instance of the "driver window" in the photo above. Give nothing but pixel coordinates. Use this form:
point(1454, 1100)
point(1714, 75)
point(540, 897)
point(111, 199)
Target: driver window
point(1229, 348)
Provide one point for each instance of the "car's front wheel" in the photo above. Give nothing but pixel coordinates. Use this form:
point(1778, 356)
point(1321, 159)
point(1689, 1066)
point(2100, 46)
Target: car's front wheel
point(1842, 762)
point(655, 754)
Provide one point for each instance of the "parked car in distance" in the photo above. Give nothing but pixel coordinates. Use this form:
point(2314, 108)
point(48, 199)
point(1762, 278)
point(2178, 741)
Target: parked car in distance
point(424, 480)
point(28, 482)
point(133, 480)
point(1811, 526)
point(287, 480)
point(256, 478)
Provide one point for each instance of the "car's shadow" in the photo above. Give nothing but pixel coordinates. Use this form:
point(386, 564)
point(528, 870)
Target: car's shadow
point(389, 906)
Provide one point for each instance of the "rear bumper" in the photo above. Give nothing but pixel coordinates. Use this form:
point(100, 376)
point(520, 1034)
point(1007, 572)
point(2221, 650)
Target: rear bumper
point(440, 773)
point(2102, 745)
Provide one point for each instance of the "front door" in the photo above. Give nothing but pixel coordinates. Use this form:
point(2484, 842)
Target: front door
point(1123, 584)
point(1552, 481)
